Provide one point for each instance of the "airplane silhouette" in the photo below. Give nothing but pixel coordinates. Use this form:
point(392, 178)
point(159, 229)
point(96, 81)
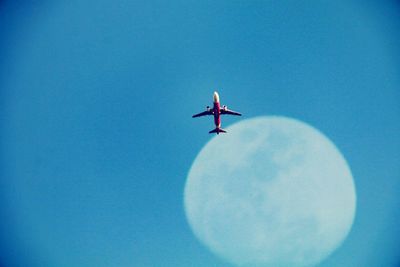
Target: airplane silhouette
point(217, 111)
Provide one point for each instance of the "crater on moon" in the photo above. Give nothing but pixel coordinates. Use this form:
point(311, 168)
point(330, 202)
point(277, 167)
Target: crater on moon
point(273, 191)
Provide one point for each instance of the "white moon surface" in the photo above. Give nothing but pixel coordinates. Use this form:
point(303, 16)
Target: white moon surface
point(272, 192)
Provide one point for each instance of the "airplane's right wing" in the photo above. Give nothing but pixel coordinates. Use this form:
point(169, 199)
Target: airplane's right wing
point(230, 112)
point(205, 113)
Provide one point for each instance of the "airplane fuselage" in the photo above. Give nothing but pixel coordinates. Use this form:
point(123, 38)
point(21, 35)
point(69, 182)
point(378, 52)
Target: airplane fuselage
point(216, 112)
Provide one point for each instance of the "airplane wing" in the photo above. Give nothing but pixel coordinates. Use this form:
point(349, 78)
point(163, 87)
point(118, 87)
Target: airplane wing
point(229, 112)
point(205, 113)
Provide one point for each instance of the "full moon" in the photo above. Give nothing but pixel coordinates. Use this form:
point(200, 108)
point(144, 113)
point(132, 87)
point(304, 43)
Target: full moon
point(272, 192)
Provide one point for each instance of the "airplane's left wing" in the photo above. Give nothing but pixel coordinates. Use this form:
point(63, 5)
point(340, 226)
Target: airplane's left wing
point(205, 113)
point(229, 112)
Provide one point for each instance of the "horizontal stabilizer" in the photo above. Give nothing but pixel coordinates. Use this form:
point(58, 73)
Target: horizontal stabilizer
point(217, 131)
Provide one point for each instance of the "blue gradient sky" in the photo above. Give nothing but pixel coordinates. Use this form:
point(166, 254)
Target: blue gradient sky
point(96, 129)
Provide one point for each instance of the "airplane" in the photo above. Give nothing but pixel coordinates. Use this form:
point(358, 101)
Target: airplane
point(216, 111)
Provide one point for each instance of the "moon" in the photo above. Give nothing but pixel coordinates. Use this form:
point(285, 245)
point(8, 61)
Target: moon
point(273, 191)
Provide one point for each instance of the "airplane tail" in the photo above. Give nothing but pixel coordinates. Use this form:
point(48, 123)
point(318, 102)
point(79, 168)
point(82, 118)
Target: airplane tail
point(217, 130)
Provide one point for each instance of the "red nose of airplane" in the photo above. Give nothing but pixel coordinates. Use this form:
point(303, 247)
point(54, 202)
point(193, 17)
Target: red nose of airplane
point(216, 97)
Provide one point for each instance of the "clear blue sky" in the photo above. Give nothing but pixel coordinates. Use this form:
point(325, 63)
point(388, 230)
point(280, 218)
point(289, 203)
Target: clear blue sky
point(96, 129)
